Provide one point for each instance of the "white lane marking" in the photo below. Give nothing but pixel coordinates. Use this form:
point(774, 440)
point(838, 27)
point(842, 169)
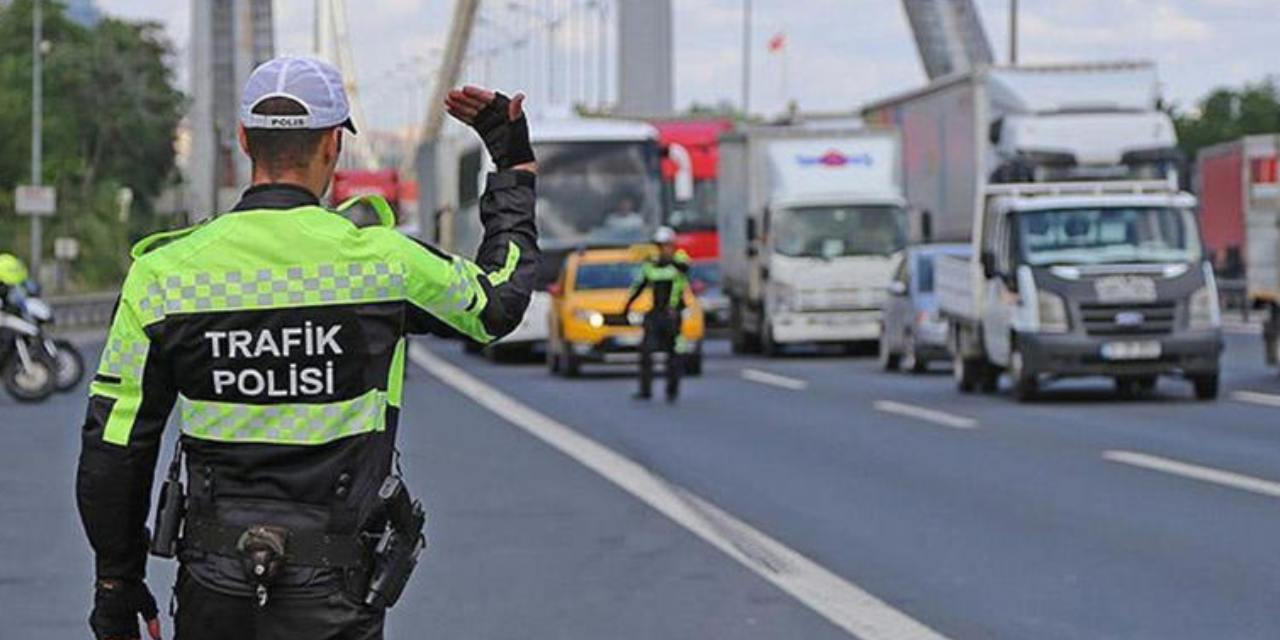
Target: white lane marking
point(842, 603)
point(928, 415)
point(1257, 397)
point(773, 379)
point(1196, 472)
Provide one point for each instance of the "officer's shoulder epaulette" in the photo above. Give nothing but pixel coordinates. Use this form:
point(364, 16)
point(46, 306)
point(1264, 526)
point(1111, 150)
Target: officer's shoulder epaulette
point(156, 240)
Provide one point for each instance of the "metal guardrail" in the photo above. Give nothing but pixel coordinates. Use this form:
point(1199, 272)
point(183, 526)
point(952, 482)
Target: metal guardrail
point(85, 311)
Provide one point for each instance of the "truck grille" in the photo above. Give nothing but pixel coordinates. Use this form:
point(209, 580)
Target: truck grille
point(840, 299)
point(1128, 319)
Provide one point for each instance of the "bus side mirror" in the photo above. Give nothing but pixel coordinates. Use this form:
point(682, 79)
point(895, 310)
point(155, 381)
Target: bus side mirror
point(926, 226)
point(988, 259)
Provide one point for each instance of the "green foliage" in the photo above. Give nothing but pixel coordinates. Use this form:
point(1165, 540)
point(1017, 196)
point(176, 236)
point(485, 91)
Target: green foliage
point(1229, 114)
point(110, 112)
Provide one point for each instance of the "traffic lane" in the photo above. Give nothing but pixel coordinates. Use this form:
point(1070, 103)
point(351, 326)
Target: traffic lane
point(524, 542)
point(980, 537)
point(1088, 415)
point(46, 569)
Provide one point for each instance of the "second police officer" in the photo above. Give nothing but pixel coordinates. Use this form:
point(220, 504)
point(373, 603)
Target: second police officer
point(276, 333)
point(667, 275)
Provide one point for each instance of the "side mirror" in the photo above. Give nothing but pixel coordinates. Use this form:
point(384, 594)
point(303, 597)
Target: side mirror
point(988, 259)
point(897, 288)
point(555, 289)
point(926, 226)
point(995, 131)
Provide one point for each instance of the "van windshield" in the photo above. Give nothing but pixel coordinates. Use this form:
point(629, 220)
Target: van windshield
point(1108, 235)
point(833, 232)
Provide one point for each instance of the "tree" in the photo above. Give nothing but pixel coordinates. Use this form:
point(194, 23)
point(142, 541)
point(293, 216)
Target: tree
point(1229, 114)
point(110, 113)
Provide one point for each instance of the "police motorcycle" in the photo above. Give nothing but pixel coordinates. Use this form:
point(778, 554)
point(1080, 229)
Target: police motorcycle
point(68, 362)
point(28, 371)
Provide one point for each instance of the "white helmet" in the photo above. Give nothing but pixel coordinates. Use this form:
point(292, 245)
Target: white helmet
point(664, 235)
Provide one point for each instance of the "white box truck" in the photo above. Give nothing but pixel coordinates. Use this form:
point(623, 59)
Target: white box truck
point(808, 220)
point(1087, 260)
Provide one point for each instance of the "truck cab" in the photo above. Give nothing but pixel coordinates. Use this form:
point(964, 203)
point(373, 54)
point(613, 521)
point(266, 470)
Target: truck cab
point(824, 265)
point(1085, 279)
point(809, 222)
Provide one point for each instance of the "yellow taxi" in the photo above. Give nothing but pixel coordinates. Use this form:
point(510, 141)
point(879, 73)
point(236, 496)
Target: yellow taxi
point(586, 323)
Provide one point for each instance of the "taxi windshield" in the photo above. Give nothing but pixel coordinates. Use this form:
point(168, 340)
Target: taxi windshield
point(606, 275)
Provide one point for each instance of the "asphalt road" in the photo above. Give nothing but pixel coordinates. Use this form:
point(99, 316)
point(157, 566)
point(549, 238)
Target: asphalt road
point(1079, 516)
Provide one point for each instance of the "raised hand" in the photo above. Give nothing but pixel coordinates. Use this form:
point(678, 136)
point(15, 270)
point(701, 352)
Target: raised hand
point(500, 122)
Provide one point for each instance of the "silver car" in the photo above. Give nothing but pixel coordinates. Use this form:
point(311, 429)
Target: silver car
point(913, 334)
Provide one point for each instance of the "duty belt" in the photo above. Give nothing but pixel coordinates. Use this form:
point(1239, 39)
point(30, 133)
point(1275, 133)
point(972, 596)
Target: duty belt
point(303, 548)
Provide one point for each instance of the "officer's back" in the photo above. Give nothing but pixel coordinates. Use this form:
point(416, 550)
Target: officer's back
point(275, 332)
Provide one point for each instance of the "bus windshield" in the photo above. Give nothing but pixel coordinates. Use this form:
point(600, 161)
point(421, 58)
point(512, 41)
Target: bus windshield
point(1108, 235)
point(597, 191)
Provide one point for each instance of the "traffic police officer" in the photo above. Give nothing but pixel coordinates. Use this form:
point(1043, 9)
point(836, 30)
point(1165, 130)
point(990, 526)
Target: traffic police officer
point(668, 276)
point(277, 330)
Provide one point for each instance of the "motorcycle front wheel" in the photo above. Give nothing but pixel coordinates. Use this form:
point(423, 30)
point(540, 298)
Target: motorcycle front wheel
point(32, 382)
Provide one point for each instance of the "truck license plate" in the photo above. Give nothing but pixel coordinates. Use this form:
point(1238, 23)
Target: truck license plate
point(1139, 350)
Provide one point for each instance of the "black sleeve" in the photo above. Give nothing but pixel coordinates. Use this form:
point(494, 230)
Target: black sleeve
point(129, 405)
point(503, 270)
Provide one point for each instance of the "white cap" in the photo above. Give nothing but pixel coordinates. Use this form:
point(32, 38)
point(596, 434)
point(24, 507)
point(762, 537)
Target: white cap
point(314, 84)
point(664, 235)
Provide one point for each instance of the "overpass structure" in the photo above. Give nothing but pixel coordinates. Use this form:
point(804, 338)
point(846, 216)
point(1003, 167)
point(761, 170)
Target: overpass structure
point(949, 36)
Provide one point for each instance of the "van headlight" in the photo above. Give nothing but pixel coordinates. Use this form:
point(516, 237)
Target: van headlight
point(593, 318)
point(784, 296)
point(1051, 310)
point(1203, 311)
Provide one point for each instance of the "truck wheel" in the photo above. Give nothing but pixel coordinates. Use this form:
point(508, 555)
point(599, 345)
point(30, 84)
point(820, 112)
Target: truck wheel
point(888, 359)
point(1206, 386)
point(1025, 384)
point(989, 378)
point(693, 363)
point(965, 373)
point(910, 361)
point(553, 360)
point(570, 364)
point(740, 341)
point(768, 347)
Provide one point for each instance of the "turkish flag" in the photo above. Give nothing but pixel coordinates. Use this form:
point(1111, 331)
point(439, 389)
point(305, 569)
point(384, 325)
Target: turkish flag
point(778, 42)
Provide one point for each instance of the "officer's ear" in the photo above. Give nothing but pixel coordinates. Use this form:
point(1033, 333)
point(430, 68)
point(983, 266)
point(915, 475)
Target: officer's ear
point(243, 138)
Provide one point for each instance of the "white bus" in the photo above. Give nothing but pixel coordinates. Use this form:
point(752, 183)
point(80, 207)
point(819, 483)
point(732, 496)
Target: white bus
point(599, 184)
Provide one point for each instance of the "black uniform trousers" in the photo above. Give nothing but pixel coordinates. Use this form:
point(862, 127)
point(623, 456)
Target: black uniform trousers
point(205, 614)
point(661, 331)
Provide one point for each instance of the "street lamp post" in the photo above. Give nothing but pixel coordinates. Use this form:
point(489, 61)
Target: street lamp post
point(746, 58)
point(37, 124)
point(1013, 32)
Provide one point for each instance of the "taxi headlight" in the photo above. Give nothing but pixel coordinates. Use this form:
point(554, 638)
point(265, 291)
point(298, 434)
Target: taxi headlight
point(1052, 312)
point(590, 316)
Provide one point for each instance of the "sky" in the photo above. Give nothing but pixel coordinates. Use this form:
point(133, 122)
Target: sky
point(838, 54)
